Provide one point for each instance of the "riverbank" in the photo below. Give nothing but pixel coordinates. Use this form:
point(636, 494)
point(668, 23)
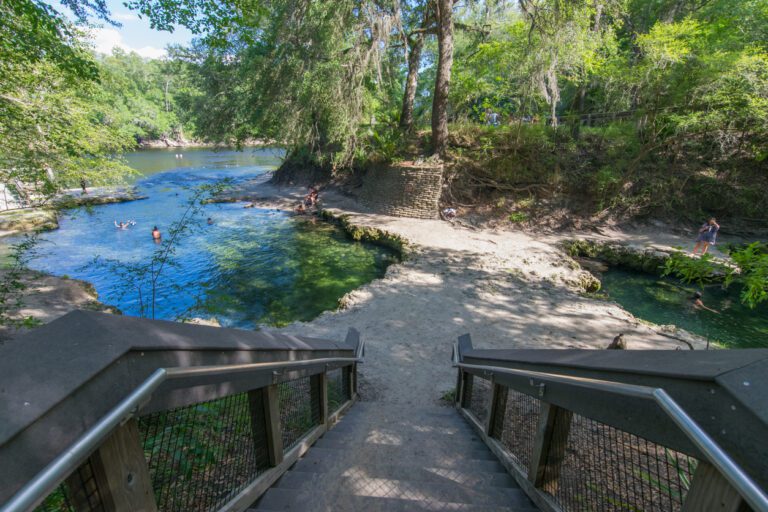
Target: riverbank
point(185, 143)
point(507, 289)
point(45, 298)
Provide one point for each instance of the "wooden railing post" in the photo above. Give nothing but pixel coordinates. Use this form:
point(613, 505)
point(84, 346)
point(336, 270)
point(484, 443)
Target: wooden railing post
point(457, 393)
point(319, 395)
point(121, 473)
point(710, 492)
point(466, 389)
point(497, 408)
point(352, 381)
point(271, 407)
point(549, 446)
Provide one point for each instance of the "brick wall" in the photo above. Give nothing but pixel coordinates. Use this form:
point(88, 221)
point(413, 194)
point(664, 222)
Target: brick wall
point(406, 191)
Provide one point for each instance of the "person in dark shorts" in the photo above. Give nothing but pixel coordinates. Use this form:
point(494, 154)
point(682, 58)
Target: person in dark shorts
point(707, 236)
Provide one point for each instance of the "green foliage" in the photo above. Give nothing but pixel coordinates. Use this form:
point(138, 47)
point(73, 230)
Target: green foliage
point(386, 142)
point(145, 99)
point(749, 271)
point(12, 283)
point(752, 274)
point(700, 271)
point(517, 217)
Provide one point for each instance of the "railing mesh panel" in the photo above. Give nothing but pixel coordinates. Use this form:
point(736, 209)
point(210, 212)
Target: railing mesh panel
point(516, 428)
point(202, 455)
point(477, 398)
point(339, 389)
point(606, 469)
point(78, 494)
point(299, 403)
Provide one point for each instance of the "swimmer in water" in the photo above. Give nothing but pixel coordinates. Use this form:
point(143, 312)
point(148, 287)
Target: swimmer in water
point(210, 221)
point(156, 233)
point(699, 304)
point(122, 225)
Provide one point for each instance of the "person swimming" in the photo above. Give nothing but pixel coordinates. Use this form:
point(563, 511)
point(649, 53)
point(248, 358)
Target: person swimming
point(699, 304)
point(210, 221)
point(156, 233)
point(123, 224)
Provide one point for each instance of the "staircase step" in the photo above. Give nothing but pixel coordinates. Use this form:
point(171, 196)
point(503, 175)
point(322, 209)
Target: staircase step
point(401, 429)
point(287, 499)
point(298, 477)
point(323, 459)
point(474, 451)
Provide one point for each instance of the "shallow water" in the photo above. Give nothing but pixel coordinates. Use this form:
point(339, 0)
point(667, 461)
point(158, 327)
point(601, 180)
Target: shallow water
point(667, 301)
point(251, 266)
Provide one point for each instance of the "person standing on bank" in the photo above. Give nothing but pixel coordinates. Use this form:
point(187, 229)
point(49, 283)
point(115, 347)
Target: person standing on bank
point(707, 236)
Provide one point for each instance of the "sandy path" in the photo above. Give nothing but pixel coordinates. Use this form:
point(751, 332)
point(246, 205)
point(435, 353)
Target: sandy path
point(507, 289)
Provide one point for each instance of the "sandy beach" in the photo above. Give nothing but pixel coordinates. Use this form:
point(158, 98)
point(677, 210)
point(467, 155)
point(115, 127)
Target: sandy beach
point(507, 289)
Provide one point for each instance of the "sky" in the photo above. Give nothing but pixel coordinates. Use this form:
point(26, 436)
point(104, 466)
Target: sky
point(134, 35)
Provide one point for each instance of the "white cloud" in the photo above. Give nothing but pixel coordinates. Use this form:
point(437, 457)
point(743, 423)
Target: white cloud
point(125, 16)
point(104, 39)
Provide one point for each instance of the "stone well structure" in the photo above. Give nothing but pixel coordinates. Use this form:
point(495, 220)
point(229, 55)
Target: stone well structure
point(404, 190)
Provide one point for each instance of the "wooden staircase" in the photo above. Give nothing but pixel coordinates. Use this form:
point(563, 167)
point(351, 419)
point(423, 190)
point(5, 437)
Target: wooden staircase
point(386, 457)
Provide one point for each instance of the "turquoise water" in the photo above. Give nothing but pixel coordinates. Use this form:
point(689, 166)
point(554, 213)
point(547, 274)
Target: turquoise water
point(250, 267)
point(667, 301)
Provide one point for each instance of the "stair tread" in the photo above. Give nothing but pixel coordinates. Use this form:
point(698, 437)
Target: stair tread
point(316, 461)
point(387, 457)
point(477, 452)
point(361, 484)
point(287, 499)
point(415, 473)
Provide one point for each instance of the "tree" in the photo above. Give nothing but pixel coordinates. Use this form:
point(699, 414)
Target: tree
point(421, 17)
point(444, 17)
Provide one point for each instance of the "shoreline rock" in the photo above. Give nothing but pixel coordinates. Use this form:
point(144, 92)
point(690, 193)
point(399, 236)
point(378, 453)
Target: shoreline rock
point(184, 143)
point(27, 220)
point(74, 198)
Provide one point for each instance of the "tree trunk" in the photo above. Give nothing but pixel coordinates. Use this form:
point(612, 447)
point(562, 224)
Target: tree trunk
point(444, 16)
point(582, 93)
point(414, 61)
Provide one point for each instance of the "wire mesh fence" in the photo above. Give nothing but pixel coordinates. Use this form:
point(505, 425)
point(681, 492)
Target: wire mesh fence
point(339, 388)
point(516, 428)
point(202, 455)
point(79, 493)
point(476, 396)
point(299, 405)
point(606, 469)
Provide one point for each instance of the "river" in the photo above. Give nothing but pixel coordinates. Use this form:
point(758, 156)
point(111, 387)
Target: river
point(250, 267)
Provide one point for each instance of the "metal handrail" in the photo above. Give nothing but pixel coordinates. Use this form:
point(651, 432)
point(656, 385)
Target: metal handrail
point(49, 477)
point(731, 471)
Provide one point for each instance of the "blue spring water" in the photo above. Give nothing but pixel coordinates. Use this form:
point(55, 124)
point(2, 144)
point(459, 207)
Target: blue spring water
point(250, 267)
